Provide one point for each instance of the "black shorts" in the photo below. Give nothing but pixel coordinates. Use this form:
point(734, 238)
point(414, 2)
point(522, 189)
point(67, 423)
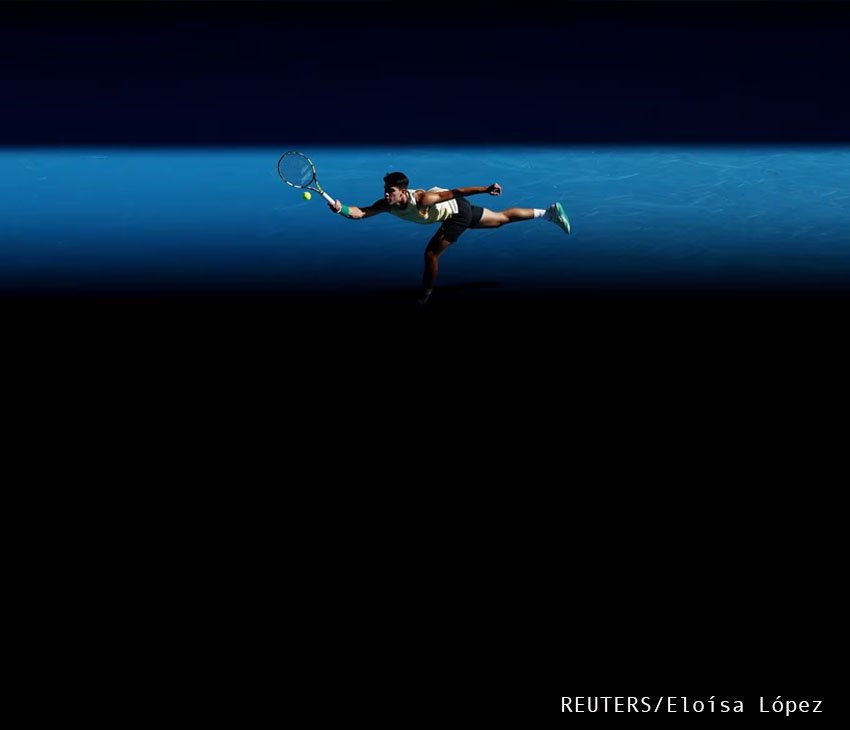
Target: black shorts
point(467, 216)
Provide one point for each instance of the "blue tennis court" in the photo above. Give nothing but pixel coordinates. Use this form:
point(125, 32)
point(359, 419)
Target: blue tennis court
point(158, 220)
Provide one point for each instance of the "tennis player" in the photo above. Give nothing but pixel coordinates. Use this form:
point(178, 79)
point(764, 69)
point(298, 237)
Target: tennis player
point(449, 208)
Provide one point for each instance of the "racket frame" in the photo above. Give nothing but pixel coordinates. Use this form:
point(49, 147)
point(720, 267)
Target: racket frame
point(318, 189)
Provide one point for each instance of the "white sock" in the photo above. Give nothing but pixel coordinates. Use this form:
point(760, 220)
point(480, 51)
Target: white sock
point(540, 213)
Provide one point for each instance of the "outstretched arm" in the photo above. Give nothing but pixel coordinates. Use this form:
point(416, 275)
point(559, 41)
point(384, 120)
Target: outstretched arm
point(435, 197)
point(355, 213)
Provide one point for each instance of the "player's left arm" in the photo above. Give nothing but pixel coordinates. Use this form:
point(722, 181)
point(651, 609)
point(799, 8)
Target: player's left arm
point(437, 197)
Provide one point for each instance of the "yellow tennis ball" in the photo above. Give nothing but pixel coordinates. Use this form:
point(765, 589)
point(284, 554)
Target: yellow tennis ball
point(306, 195)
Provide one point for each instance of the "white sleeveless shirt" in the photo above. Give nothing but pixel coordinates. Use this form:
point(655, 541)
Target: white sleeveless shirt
point(436, 213)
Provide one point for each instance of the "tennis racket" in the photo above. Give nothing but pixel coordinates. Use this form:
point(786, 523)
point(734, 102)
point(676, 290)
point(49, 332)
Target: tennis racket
point(296, 169)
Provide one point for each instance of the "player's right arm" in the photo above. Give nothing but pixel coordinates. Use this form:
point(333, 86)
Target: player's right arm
point(355, 213)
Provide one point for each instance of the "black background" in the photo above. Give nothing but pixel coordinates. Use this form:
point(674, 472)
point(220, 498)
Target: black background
point(487, 72)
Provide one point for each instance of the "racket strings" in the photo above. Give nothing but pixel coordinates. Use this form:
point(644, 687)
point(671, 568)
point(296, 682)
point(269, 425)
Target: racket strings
point(296, 170)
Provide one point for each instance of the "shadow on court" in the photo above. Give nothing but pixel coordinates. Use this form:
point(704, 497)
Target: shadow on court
point(380, 339)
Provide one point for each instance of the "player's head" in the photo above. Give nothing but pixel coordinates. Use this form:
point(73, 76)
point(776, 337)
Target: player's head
point(395, 183)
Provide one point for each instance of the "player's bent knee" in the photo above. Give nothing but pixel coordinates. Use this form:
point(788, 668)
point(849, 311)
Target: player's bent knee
point(435, 248)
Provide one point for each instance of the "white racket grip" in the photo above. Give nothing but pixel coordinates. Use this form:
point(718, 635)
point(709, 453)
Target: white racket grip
point(328, 198)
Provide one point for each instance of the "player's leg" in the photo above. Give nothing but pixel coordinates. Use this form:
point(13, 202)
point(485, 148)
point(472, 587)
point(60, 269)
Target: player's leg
point(433, 251)
point(494, 219)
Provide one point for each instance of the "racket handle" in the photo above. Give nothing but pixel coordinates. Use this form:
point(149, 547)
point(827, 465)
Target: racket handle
point(328, 198)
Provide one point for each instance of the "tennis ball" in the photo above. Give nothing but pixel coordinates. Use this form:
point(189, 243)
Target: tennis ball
point(306, 195)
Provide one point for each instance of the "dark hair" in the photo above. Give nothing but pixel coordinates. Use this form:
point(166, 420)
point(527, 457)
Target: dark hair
point(396, 180)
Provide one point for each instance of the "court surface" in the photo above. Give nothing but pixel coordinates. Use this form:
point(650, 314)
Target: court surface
point(670, 217)
point(157, 261)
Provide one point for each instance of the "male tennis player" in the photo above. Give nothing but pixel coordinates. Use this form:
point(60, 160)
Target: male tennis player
point(451, 209)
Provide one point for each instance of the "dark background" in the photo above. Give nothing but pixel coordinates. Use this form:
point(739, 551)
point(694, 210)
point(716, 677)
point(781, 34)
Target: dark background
point(294, 75)
point(465, 72)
